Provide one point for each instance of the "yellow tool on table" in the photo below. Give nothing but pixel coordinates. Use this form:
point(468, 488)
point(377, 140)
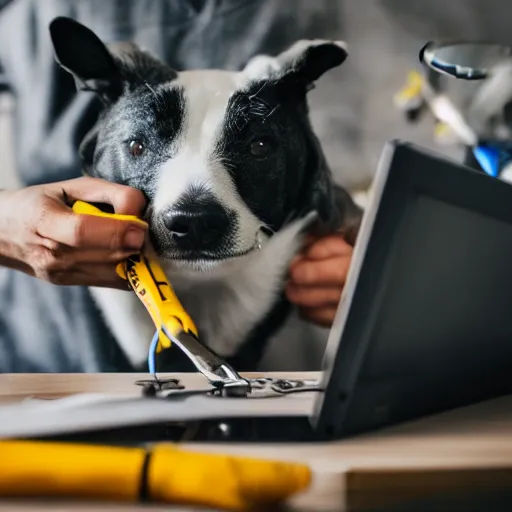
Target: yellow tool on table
point(173, 324)
point(162, 473)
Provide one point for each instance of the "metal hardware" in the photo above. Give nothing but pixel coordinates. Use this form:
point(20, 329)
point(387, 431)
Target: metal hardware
point(245, 388)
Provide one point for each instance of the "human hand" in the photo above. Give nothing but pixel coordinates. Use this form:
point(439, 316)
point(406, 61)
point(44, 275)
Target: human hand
point(317, 277)
point(42, 236)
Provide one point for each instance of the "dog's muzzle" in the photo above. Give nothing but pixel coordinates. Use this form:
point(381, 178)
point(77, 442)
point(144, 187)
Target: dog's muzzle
point(200, 227)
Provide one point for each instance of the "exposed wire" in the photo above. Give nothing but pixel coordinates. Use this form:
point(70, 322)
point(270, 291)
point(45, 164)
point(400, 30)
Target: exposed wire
point(152, 355)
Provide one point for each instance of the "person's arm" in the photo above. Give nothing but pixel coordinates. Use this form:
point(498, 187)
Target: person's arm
point(39, 233)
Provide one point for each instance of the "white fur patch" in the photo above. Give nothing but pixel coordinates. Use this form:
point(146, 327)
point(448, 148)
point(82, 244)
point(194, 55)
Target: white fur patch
point(261, 67)
point(205, 111)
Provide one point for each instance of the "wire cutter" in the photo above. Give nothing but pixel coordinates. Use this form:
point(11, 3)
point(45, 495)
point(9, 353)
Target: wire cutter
point(173, 324)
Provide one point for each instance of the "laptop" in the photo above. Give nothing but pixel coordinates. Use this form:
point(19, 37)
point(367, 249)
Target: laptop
point(424, 325)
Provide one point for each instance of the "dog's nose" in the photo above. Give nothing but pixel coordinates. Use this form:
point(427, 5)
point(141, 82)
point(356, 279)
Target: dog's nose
point(197, 228)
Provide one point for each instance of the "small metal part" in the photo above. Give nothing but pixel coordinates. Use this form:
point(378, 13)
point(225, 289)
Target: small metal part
point(234, 389)
point(152, 387)
point(265, 387)
point(224, 430)
point(245, 388)
point(259, 240)
point(295, 385)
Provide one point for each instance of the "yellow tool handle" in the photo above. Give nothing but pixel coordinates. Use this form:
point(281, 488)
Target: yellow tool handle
point(166, 473)
point(151, 285)
point(148, 280)
point(84, 208)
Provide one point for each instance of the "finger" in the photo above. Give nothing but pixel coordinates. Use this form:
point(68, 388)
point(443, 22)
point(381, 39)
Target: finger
point(90, 256)
point(101, 275)
point(326, 247)
point(125, 200)
point(328, 272)
point(310, 297)
point(60, 224)
point(324, 317)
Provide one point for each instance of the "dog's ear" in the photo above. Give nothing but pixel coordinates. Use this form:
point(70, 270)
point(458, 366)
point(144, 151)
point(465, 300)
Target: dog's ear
point(303, 63)
point(109, 71)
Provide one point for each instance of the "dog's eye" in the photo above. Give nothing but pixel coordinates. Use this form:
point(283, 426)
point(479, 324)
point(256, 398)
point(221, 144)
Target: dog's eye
point(136, 148)
point(262, 148)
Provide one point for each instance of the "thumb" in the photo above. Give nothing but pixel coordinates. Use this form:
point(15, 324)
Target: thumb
point(62, 225)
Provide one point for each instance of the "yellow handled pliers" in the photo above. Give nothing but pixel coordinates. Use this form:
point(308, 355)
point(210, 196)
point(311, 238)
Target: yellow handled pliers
point(147, 278)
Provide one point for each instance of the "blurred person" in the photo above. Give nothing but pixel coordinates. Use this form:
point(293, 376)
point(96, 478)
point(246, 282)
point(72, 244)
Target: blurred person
point(48, 328)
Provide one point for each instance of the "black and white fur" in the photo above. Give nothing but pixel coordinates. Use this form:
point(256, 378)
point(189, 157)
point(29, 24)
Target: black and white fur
point(232, 171)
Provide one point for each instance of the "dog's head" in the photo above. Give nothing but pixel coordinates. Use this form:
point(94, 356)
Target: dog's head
point(225, 159)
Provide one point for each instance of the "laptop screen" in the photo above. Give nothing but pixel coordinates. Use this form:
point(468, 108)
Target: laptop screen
point(425, 321)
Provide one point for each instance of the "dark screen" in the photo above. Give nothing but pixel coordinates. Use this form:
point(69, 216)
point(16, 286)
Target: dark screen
point(449, 286)
point(428, 323)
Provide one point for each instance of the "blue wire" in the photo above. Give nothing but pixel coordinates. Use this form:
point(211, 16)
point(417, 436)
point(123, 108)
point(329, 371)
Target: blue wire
point(152, 354)
point(152, 351)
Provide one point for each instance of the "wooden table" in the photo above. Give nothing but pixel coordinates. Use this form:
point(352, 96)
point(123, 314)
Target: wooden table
point(469, 448)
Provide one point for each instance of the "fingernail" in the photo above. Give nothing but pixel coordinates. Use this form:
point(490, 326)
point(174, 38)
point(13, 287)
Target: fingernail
point(134, 238)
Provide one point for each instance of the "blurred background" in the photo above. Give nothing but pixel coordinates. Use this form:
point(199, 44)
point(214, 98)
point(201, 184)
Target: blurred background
point(352, 107)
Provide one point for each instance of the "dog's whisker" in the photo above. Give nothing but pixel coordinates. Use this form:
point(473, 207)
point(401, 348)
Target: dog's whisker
point(160, 103)
point(270, 113)
point(289, 218)
point(153, 92)
point(255, 95)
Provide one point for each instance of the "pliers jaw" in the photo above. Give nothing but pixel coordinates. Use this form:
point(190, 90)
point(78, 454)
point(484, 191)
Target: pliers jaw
point(218, 372)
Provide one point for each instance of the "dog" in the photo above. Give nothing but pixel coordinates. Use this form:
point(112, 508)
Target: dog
point(233, 174)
